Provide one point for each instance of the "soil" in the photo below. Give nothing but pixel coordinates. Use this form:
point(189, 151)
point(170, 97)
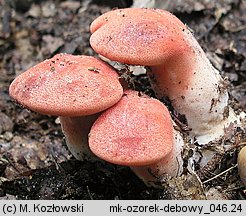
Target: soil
point(34, 160)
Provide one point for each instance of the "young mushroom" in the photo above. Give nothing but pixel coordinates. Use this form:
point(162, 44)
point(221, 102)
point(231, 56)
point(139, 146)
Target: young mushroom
point(138, 132)
point(241, 161)
point(178, 67)
point(75, 88)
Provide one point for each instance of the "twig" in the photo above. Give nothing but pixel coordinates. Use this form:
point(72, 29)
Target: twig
point(222, 173)
point(88, 190)
point(234, 189)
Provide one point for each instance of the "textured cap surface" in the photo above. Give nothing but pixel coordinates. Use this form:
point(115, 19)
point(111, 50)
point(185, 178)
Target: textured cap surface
point(136, 131)
point(137, 36)
point(67, 85)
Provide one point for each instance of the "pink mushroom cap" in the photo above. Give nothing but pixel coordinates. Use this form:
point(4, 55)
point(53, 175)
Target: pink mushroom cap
point(136, 131)
point(138, 36)
point(67, 85)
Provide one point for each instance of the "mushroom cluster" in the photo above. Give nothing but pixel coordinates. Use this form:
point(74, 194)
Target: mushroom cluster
point(179, 68)
point(127, 127)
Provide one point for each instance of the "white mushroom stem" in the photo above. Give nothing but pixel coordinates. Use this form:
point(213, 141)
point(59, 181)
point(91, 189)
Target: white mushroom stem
point(195, 89)
point(172, 164)
point(76, 130)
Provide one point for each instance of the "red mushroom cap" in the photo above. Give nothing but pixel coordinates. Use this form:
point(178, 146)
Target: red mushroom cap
point(138, 36)
point(136, 131)
point(67, 85)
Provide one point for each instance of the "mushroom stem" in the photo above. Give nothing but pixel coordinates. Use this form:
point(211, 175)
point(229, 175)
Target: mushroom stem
point(195, 89)
point(172, 164)
point(76, 130)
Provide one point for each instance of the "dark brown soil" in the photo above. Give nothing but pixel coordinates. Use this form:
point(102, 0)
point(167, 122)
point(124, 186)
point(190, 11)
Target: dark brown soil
point(34, 160)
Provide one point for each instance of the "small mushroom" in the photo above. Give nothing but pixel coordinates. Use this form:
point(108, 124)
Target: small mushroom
point(76, 88)
point(138, 132)
point(241, 161)
point(179, 68)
